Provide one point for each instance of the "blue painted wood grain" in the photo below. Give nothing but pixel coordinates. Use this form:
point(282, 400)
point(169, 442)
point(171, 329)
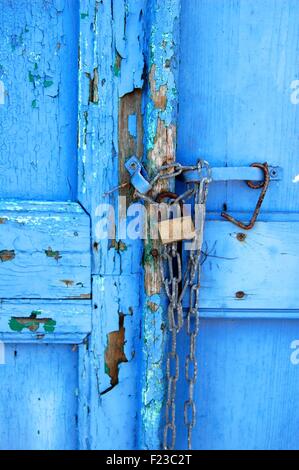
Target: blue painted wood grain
point(44, 244)
point(111, 66)
point(258, 263)
point(38, 121)
point(246, 392)
point(44, 250)
point(238, 60)
point(72, 320)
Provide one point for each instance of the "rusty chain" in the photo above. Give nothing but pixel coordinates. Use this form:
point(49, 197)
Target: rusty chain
point(173, 279)
point(176, 285)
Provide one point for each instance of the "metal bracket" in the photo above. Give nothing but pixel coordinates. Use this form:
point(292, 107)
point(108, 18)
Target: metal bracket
point(241, 173)
point(139, 177)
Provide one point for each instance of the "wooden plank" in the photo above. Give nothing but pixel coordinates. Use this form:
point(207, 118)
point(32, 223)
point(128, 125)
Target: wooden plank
point(38, 126)
point(44, 321)
point(111, 79)
point(116, 324)
point(224, 116)
point(250, 270)
point(44, 251)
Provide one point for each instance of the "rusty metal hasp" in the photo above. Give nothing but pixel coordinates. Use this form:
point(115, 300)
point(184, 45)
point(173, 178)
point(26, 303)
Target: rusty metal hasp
point(139, 177)
point(262, 185)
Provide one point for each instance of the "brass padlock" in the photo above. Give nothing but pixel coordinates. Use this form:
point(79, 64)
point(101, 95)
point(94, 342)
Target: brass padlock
point(175, 229)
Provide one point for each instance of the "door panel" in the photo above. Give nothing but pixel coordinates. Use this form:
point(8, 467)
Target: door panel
point(238, 60)
point(255, 271)
point(235, 94)
point(45, 267)
point(246, 396)
point(38, 124)
point(44, 251)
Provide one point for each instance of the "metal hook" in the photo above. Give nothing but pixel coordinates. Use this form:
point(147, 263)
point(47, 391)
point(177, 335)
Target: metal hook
point(264, 184)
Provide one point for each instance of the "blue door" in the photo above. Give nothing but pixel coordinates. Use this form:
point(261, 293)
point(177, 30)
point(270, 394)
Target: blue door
point(82, 323)
point(45, 274)
point(238, 105)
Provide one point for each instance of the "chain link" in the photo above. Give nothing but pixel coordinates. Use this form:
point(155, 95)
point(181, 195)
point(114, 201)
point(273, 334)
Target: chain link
point(176, 285)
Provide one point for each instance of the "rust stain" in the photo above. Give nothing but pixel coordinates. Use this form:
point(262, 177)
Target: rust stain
point(67, 282)
point(7, 255)
point(129, 145)
point(114, 353)
point(159, 96)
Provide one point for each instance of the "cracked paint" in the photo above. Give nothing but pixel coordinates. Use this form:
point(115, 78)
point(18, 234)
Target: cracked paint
point(114, 353)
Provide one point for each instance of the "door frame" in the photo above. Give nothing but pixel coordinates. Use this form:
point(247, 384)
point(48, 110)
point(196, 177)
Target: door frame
point(128, 78)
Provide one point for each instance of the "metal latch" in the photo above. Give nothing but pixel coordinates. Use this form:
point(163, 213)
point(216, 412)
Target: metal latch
point(229, 173)
point(139, 176)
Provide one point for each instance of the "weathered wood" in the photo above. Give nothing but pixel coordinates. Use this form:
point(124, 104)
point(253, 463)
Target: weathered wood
point(38, 126)
point(250, 270)
point(225, 116)
point(44, 251)
point(39, 408)
point(160, 129)
point(112, 46)
point(70, 321)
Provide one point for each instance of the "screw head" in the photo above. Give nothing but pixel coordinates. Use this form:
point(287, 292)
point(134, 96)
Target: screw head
point(241, 236)
point(240, 294)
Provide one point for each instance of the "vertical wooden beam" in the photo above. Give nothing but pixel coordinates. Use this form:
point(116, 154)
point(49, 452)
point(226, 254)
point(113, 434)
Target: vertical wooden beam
point(160, 145)
point(111, 64)
point(127, 106)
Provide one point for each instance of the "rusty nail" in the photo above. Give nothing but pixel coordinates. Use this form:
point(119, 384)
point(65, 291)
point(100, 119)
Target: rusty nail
point(240, 294)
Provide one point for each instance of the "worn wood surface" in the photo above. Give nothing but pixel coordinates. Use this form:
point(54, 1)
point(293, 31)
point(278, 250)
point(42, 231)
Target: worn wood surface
point(72, 321)
point(38, 122)
point(112, 46)
point(160, 129)
point(44, 238)
point(44, 251)
point(38, 404)
point(247, 270)
point(238, 61)
point(246, 392)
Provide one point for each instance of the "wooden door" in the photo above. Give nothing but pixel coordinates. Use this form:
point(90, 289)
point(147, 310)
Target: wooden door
point(238, 105)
